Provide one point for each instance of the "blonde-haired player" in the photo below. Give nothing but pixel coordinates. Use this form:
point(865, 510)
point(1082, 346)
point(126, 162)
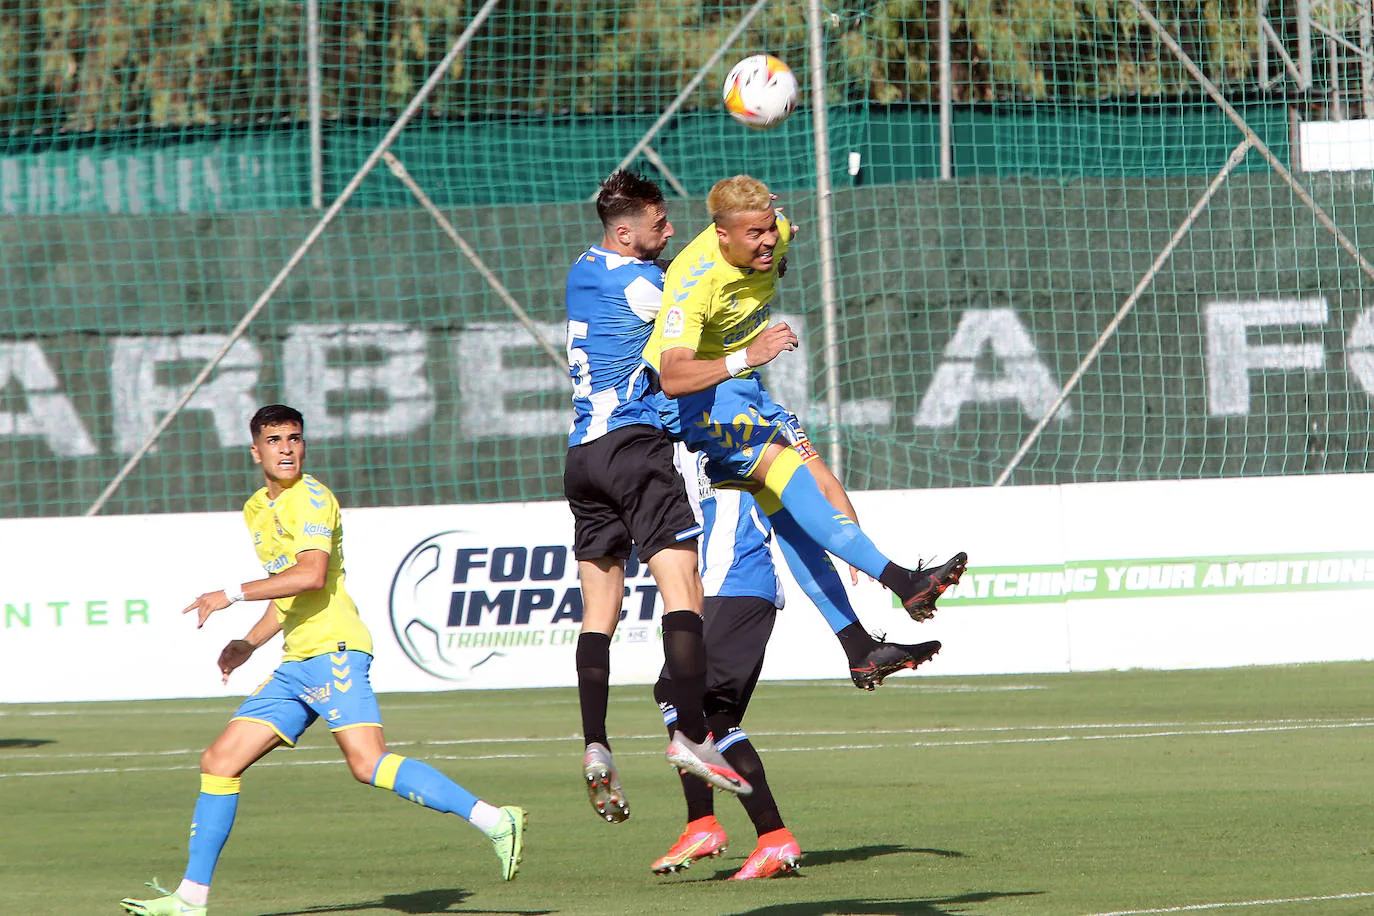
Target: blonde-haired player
point(711, 335)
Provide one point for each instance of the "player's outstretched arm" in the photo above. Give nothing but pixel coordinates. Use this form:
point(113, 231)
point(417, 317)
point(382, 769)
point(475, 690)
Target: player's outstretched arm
point(306, 576)
point(239, 651)
point(681, 373)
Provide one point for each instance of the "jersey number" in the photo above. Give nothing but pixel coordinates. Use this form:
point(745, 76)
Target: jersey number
point(579, 366)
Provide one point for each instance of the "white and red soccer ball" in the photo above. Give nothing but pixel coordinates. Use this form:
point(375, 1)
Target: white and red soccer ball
point(760, 92)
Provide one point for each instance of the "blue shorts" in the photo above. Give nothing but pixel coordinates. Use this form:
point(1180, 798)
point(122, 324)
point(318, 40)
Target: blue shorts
point(731, 423)
point(334, 687)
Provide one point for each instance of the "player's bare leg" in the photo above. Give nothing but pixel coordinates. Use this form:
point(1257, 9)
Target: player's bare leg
point(785, 483)
point(603, 591)
point(239, 746)
point(679, 582)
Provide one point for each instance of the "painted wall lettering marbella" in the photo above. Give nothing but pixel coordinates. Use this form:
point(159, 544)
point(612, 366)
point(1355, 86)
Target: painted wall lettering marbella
point(992, 361)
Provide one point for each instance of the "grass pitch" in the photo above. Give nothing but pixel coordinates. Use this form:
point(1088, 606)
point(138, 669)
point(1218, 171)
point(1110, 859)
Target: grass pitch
point(1243, 790)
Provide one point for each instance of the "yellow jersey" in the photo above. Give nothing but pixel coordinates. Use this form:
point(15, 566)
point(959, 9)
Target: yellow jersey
point(305, 516)
point(711, 306)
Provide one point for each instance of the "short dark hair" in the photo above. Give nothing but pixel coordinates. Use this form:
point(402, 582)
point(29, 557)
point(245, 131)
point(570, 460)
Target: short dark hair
point(275, 415)
point(624, 193)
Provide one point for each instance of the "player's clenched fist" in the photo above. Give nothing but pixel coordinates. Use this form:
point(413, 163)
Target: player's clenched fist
point(234, 654)
point(770, 343)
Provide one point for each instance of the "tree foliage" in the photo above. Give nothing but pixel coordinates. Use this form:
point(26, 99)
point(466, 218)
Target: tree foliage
point(81, 65)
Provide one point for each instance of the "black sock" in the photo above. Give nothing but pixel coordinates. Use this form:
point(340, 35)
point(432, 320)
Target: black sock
point(685, 654)
point(698, 794)
point(759, 804)
point(856, 642)
point(593, 684)
point(898, 579)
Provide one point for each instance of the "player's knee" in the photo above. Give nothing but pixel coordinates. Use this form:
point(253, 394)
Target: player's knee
point(363, 767)
point(214, 762)
point(722, 702)
point(721, 721)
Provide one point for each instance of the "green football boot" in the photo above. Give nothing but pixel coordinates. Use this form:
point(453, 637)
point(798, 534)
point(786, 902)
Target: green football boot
point(508, 838)
point(169, 904)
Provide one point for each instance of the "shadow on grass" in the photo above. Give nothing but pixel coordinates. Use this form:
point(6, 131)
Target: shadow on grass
point(814, 858)
point(420, 903)
point(6, 743)
point(938, 906)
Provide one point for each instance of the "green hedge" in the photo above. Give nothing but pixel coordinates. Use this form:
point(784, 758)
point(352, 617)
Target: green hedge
point(67, 65)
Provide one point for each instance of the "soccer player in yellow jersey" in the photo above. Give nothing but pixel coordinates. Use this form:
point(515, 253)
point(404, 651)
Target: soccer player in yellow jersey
point(298, 536)
point(709, 339)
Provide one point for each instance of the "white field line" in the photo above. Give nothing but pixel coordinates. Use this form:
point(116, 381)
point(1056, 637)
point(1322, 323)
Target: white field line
point(1202, 907)
point(1177, 728)
point(88, 711)
point(1231, 729)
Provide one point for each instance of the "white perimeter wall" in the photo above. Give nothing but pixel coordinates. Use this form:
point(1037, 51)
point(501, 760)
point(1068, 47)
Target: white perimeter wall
point(1073, 578)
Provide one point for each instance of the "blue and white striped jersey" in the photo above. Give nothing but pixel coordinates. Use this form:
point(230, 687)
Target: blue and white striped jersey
point(612, 301)
point(736, 548)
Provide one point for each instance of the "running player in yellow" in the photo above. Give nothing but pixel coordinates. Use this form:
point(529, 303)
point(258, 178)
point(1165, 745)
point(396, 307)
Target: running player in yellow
point(294, 521)
point(710, 336)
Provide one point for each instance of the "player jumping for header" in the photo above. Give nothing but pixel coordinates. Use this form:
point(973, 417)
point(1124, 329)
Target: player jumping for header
point(709, 337)
point(622, 487)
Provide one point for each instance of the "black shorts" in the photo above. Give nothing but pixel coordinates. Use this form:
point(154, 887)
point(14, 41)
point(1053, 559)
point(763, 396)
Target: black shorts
point(623, 491)
point(736, 630)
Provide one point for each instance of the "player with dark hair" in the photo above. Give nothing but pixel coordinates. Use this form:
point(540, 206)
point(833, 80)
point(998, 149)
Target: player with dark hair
point(708, 340)
point(294, 520)
point(622, 487)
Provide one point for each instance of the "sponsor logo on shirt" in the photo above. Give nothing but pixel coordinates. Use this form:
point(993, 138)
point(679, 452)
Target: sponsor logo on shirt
point(749, 326)
point(316, 694)
point(315, 530)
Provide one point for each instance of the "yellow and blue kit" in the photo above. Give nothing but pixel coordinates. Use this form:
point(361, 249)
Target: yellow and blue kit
point(710, 305)
point(324, 672)
point(714, 308)
point(305, 516)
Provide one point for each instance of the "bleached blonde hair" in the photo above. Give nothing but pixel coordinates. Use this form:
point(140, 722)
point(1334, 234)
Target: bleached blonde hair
point(740, 194)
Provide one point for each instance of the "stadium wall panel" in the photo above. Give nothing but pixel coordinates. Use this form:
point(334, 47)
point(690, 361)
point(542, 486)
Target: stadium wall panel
point(965, 306)
point(1162, 575)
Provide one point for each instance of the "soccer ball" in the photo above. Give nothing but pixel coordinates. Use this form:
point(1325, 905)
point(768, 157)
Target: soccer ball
point(760, 92)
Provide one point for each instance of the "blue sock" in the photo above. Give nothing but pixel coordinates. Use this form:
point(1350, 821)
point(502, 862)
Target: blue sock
point(422, 784)
point(814, 572)
point(210, 825)
point(826, 525)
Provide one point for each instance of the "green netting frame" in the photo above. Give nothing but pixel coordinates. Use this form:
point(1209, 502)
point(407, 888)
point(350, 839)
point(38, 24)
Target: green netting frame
point(156, 174)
